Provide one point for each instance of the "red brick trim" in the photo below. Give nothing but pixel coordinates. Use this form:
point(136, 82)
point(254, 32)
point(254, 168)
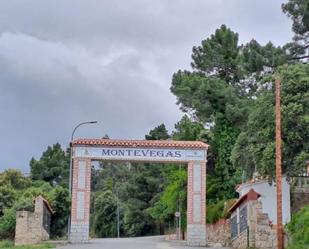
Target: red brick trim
point(141, 143)
point(250, 196)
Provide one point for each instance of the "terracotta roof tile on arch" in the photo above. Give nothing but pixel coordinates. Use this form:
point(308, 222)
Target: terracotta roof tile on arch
point(141, 143)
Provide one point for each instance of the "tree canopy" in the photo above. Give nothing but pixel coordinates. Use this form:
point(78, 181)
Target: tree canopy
point(255, 146)
point(298, 11)
point(158, 133)
point(53, 166)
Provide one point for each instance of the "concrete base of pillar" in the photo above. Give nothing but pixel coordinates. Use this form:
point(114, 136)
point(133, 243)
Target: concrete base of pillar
point(79, 233)
point(196, 235)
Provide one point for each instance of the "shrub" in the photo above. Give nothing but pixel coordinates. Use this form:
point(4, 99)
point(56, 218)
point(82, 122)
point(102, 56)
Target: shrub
point(218, 210)
point(7, 224)
point(298, 229)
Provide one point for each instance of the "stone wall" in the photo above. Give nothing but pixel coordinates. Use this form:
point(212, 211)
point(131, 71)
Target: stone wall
point(29, 228)
point(219, 233)
point(196, 235)
point(240, 242)
point(299, 200)
point(265, 234)
point(29, 225)
point(299, 193)
point(261, 233)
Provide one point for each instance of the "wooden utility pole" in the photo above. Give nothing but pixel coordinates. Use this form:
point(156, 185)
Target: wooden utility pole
point(278, 163)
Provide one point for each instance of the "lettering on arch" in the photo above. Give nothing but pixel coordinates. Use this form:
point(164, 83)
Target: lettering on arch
point(140, 154)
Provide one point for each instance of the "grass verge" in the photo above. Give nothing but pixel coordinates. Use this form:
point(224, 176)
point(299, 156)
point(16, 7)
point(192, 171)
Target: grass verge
point(10, 244)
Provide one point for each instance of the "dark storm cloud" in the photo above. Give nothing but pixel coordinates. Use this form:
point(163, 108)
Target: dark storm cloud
point(62, 62)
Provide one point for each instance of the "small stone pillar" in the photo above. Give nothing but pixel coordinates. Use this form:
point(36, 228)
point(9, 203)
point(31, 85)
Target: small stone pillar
point(33, 227)
point(80, 207)
point(196, 204)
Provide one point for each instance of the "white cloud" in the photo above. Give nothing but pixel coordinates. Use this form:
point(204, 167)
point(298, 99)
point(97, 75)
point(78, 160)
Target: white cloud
point(62, 62)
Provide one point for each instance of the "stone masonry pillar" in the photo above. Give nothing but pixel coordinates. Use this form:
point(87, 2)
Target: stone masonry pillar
point(80, 207)
point(196, 204)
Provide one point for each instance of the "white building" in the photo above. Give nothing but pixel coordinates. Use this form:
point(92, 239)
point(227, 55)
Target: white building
point(269, 197)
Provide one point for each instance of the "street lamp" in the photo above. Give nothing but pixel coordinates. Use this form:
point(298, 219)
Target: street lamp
point(71, 150)
point(71, 164)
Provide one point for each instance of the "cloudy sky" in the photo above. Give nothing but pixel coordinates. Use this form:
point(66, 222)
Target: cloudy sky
point(64, 62)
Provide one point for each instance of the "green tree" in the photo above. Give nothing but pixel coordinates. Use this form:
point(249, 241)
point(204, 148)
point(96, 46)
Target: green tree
point(174, 195)
point(60, 201)
point(218, 210)
point(256, 57)
point(225, 176)
point(7, 224)
point(19, 193)
point(7, 198)
point(137, 221)
point(258, 61)
point(298, 229)
point(219, 92)
point(15, 179)
point(255, 147)
point(211, 100)
point(11, 181)
point(104, 221)
point(188, 130)
point(218, 55)
point(52, 167)
point(136, 187)
point(24, 201)
point(298, 11)
point(158, 133)
point(143, 186)
point(173, 198)
point(238, 65)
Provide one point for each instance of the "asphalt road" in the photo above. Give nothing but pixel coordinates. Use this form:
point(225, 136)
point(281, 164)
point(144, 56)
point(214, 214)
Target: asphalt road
point(156, 242)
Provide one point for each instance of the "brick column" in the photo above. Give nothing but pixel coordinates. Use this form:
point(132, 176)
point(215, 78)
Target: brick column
point(196, 209)
point(80, 207)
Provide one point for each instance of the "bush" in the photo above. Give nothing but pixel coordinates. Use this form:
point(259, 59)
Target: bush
point(218, 210)
point(8, 220)
point(7, 224)
point(58, 198)
point(298, 229)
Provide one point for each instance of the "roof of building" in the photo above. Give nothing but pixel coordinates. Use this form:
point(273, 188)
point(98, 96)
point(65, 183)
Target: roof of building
point(141, 143)
point(251, 182)
point(46, 204)
point(250, 196)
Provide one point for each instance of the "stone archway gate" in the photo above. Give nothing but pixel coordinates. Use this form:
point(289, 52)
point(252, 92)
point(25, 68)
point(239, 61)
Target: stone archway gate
point(192, 153)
